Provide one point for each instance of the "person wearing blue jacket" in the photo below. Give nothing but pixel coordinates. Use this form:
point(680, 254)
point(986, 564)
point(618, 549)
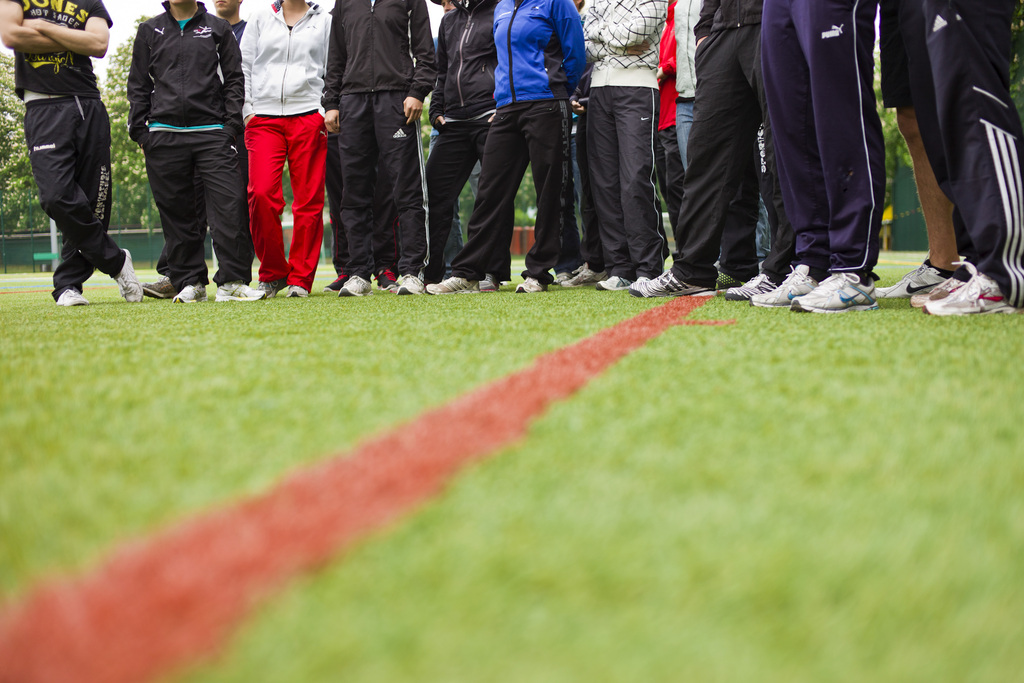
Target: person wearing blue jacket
point(540, 60)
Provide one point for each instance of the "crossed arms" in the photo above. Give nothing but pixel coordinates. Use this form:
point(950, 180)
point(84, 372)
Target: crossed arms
point(38, 36)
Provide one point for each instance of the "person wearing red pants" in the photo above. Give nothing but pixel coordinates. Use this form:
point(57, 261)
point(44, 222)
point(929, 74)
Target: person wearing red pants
point(284, 58)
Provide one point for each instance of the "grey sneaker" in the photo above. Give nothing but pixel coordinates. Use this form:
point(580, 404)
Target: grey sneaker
point(613, 284)
point(71, 297)
point(490, 283)
point(356, 286)
point(531, 286)
point(838, 293)
point(127, 282)
point(667, 284)
point(939, 293)
point(454, 285)
point(237, 291)
point(161, 289)
point(270, 289)
point(296, 292)
point(562, 277)
point(190, 294)
point(411, 285)
point(798, 283)
point(919, 281)
point(762, 284)
point(585, 277)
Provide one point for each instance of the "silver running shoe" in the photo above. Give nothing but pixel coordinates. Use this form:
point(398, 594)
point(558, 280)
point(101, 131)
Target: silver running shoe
point(490, 283)
point(667, 284)
point(356, 286)
point(919, 281)
point(237, 291)
point(798, 283)
point(762, 284)
point(939, 293)
point(613, 284)
point(71, 297)
point(455, 285)
point(411, 285)
point(295, 292)
point(585, 277)
point(161, 289)
point(270, 289)
point(979, 296)
point(127, 282)
point(837, 294)
point(190, 294)
point(563, 277)
point(531, 286)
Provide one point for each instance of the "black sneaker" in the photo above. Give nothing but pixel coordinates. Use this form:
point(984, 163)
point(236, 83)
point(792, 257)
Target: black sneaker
point(337, 284)
point(725, 281)
point(387, 280)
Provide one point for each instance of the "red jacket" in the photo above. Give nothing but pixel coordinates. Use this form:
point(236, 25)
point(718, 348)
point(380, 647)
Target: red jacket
point(667, 63)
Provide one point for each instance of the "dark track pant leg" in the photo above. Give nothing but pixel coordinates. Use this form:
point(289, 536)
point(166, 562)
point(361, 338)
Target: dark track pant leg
point(590, 247)
point(448, 168)
point(739, 237)
point(216, 162)
point(359, 154)
point(726, 117)
point(333, 185)
point(671, 174)
point(69, 149)
point(490, 226)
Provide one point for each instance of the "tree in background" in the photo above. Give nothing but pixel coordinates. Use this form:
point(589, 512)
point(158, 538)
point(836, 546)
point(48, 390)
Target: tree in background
point(1017, 65)
point(20, 203)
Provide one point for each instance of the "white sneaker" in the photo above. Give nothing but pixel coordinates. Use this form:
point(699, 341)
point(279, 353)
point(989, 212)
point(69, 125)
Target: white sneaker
point(762, 284)
point(563, 277)
point(455, 285)
point(919, 281)
point(666, 284)
point(531, 286)
point(613, 284)
point(296, 292)
point(946, 289)
point(190, 294)
point(979, 296)
point(236, 291)
point(585, 277)
point(71, 297)
point(837, 294)
point(798, 283)
point(356, 286)
point(411, 285)
point(127, 282)
point(490, 283)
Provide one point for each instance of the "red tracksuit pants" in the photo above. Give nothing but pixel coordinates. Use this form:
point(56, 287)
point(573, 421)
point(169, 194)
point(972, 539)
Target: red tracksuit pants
point(302, 142)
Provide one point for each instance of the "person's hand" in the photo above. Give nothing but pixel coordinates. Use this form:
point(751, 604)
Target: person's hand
point(439, 121)
point(701, 40)
point(660, 75)
point(578, 108)
point(413, 109)
point(638, 49)
point(332, 120)
point(248, 119)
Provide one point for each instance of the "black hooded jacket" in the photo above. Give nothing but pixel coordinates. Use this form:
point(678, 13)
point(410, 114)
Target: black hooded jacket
point(175, 76)
point(719, 15)
point(466, 59)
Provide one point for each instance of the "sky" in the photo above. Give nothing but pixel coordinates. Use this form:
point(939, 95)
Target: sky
point(125, 12)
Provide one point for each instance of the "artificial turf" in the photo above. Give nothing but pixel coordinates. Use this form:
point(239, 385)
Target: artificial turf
point(795, 497)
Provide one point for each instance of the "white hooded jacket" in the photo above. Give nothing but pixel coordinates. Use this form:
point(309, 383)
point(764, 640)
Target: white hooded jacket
point(284, 69)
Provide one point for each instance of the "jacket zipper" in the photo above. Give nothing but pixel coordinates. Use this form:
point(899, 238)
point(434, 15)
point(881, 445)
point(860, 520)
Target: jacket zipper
point(287, 60)
point(373, 48)
point(462, 59)
point(511, 82)
point(181, 72)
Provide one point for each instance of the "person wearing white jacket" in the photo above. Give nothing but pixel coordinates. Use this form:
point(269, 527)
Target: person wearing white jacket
point(284, 58)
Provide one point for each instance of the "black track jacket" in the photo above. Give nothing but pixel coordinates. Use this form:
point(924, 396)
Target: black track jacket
point(466, 59)
point(718, 15)
point(174, 76)
point(373, 46)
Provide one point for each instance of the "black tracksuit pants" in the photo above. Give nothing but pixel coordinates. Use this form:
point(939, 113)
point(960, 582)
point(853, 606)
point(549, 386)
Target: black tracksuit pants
point(536, 134)
point(69, 147)
point(670, 172)
point(590, 247)
point(451, 162)
point(375, 132)
point(729, 109)
point(621, 128)
point(243, 165)
point(959, 56)
point(385, 218)
point(173, 161)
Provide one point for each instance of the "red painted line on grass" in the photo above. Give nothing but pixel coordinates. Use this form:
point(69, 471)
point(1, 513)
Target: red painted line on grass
point(163, 602)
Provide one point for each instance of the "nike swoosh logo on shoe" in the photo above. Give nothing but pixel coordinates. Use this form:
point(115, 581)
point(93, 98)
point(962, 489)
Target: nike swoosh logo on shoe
point(914, 290)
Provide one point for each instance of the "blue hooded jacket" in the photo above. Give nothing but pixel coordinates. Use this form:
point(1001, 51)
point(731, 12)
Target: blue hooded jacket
point(540, 50)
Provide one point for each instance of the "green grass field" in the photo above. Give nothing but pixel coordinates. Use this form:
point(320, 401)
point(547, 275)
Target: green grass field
point(790, 498)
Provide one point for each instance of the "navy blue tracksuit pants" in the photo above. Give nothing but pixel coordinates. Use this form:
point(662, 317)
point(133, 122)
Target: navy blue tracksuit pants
point(959, 56)
point(819, 79)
